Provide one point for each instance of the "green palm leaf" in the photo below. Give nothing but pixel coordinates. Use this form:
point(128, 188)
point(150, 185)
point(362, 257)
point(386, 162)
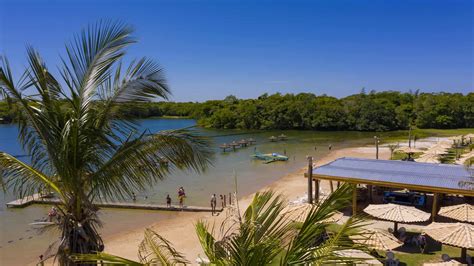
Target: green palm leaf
point(156, 250)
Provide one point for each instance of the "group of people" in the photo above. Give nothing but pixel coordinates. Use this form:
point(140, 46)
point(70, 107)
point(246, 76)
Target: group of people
point(214, 203)
point(181, 197)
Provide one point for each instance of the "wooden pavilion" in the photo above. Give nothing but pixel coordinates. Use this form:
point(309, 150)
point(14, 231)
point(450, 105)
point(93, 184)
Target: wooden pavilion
point(424, 177)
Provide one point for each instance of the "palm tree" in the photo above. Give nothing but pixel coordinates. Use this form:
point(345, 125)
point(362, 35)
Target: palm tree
point(80, 146)
point(392, 148)
point(263, 235)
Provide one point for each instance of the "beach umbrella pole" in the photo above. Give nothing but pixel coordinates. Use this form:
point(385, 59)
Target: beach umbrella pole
point(395, 228)
point(463, 254)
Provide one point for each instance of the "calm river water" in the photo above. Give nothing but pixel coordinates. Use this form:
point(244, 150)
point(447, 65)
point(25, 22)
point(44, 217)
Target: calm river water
point(20, 244)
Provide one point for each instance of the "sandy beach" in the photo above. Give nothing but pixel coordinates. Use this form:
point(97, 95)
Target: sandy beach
point(180, 230)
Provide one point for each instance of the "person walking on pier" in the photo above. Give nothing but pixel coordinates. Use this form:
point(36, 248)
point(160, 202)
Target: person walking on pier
point(181, 196)
point(168, 201)
point(213, 203)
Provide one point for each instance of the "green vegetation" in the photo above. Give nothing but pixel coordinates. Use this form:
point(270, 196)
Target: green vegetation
point(262, 235)
point(399, 155)
point(374, 111)
point(83, 150)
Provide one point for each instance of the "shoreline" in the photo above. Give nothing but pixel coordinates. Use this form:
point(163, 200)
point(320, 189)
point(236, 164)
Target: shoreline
point(180, 229)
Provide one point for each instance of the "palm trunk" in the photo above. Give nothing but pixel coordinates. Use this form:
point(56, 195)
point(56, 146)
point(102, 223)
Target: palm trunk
point(79, 233)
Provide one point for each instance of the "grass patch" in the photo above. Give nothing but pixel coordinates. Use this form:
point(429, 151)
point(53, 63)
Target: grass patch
point(412, 256)
point(399, 155)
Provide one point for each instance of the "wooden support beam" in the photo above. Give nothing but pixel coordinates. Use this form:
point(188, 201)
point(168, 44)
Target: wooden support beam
point(316, 190)
point(332, 186)
point(369, 190)
point(310, 179)
point(354, 200)
point(434, 209)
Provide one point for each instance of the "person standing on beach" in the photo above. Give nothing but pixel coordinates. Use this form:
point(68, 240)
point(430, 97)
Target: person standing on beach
point(181, 196)
point(168, 201)
point(213, 203)
point(222, 201)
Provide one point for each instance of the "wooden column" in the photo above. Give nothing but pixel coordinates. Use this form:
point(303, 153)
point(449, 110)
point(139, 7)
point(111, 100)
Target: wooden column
point(369, 190)
point(354, 200)
point(434, 209)
point(310, 179)
point(332, 186)
point(316, 190)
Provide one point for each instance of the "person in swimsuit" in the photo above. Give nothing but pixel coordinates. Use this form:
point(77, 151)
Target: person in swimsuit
point(181, 196)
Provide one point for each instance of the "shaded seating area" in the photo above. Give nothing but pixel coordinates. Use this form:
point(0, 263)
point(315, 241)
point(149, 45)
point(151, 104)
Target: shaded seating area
point(418, 189)
point(436, 179)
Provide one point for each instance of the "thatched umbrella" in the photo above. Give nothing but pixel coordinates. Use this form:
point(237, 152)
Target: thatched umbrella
point(453, 234)
point(428, 158)
point(462, 212)
point(444, 263)
point(298, 213)
point(358, 255)
point(377, 239)
point(407, 149)
point(397, 213)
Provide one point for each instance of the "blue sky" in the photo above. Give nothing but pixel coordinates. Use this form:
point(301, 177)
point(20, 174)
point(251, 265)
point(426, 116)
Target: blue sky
point(211, 49)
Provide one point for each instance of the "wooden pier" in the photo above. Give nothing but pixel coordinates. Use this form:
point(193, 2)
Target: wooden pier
point(38, 199)
point(234, 145)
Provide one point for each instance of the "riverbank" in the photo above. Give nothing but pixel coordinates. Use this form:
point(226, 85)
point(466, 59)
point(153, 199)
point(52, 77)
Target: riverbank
point(180, 230)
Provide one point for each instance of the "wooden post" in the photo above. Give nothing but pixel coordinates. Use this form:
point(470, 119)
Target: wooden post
point(332, 186)
point(463, 255)
point(310, 179)
point(354, 200)
point(409, 137)
point(376, 147)
point(316, 190)
point(369, 188)
point(434, 209)
point(225, 201)
point(230, 198)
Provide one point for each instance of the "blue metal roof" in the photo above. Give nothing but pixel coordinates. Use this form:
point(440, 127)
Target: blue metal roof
point(413, 175)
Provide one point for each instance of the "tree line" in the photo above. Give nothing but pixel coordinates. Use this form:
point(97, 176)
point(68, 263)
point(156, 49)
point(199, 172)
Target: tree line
point(373, 111)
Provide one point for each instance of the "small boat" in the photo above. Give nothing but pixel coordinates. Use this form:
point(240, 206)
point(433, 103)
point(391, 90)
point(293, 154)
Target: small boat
point(273, 139)
point(269, 157)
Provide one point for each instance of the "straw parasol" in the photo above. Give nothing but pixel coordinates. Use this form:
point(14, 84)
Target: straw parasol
point(428, 158)
point(407, 149)
point(298, 213)
point(462, 212)
point(365, 259)
point(377, 239)
point(444, 263)
point(397, 213)
point(453, 234)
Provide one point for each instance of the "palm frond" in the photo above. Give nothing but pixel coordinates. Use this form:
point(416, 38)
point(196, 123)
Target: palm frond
point(314, 226)
point(22, 178)
point(139, 162)
point(91, 55)
point(327, 252)
point(103, 258)
point(214, 252)
point(156, 250)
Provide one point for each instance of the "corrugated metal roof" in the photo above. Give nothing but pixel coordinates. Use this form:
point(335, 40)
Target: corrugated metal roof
point(411, 174)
